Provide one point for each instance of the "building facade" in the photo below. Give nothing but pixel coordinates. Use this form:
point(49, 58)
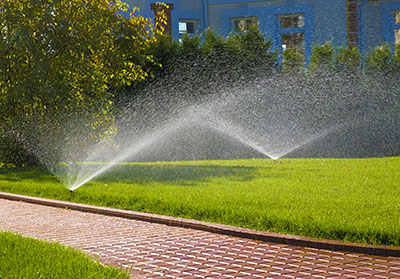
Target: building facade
point(298, 24)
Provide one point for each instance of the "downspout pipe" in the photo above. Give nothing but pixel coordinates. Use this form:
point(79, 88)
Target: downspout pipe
point(205, 14)
point(361, 6)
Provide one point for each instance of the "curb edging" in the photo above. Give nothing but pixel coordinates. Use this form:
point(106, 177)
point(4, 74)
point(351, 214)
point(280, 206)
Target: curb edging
point(332, 245)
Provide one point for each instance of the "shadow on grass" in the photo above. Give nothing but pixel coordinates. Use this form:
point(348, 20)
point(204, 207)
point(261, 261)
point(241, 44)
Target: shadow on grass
point(144, 174)
point(19, 174)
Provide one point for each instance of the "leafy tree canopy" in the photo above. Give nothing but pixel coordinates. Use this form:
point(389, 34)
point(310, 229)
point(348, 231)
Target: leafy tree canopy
point(62, 58)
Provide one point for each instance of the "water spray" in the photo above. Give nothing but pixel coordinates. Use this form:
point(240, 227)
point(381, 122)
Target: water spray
point(273, 116)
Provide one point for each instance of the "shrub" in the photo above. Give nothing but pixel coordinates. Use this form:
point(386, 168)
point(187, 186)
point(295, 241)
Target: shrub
point(292, 60)
point(379, 59)
point(206, 63)
point(58, 62)
point(322, 56)
point(348, 58)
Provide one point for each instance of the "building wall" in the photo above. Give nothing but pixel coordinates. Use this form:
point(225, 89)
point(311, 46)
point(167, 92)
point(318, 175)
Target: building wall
point(329, 16)
point(371, 22)
point(386, 22)
point(325, 20)
point(183, 9)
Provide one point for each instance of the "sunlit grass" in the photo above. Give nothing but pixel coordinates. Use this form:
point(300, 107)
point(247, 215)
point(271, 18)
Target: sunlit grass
point(346, 199)
point(30, 258)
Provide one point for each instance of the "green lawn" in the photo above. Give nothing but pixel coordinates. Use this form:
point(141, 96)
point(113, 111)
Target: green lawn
point(29, 258)
point(347, 199)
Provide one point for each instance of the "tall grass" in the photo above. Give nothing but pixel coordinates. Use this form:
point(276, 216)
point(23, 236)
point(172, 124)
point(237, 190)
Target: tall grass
point(344, 199)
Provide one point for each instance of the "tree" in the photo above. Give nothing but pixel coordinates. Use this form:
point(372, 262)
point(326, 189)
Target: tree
point(59, 61)
point(207, 63)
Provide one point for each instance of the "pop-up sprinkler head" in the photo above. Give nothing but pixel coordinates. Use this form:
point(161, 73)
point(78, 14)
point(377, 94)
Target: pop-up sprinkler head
point(70, 191)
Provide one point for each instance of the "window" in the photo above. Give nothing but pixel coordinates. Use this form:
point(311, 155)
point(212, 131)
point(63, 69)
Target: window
point(293, 41)
point(190, 27)
point(397, 17)
point(292, 21)
point(244, 23)
point(292, 32)
point(397, 31)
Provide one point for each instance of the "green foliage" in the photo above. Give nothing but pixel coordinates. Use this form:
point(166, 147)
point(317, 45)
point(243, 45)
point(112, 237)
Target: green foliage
point(380, 58)
point(162, 51)
point(382, 61)
point(59, 59)
point(205, 64)
point(322, 56)
point(397, 52)
point(244, 55)
point(253, 51)
point(213, 43)
point(348, 58)
point(379, 62)
point(346, 199)
point(292, 60)
point(189, 47)
point(30, 258)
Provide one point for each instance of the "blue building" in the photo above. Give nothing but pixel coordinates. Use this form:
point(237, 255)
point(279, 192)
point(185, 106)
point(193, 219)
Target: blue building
point(298, 24)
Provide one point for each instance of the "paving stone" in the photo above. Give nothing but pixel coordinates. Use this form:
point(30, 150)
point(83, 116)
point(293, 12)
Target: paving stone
point(151, 250)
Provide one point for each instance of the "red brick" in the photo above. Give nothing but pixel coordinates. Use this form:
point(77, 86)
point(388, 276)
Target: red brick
point(158, 251)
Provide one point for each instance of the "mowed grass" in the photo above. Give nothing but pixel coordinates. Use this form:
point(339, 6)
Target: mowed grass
point(345, 199)
point(30, 258)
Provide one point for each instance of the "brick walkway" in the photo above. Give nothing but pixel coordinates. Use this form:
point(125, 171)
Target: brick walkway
point(160, 251)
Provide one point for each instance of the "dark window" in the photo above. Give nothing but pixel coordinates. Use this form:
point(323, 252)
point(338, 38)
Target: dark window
point(189, 26)
point(292, 29)
point(293, 41)
point(244, 23)
point(292, 21)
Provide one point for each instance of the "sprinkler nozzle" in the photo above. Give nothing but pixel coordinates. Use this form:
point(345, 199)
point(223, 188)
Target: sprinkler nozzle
point(70, 191)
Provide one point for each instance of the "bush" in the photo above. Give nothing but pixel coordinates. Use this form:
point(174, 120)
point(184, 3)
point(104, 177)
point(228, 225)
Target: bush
point(322, 56)
point(292, 60)
point(206, 64)
point(382, 61)
point(59, 61)
point(348, 59)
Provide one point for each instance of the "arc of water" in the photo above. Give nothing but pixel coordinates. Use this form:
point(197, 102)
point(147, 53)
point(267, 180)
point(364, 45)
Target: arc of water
point(167, 129)
point(228, 128)
point(208, 120)
point(134, 148)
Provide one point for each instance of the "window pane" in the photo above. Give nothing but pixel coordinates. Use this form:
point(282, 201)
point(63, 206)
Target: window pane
point(189, 26)
point(295, 41)
point(397, 17)
point(397, 36)
point(243, 24)
point(182, 27)
point(292, 21)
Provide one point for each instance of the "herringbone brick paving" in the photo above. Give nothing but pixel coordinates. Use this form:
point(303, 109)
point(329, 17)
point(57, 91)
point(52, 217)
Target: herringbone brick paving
point(159, 251)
